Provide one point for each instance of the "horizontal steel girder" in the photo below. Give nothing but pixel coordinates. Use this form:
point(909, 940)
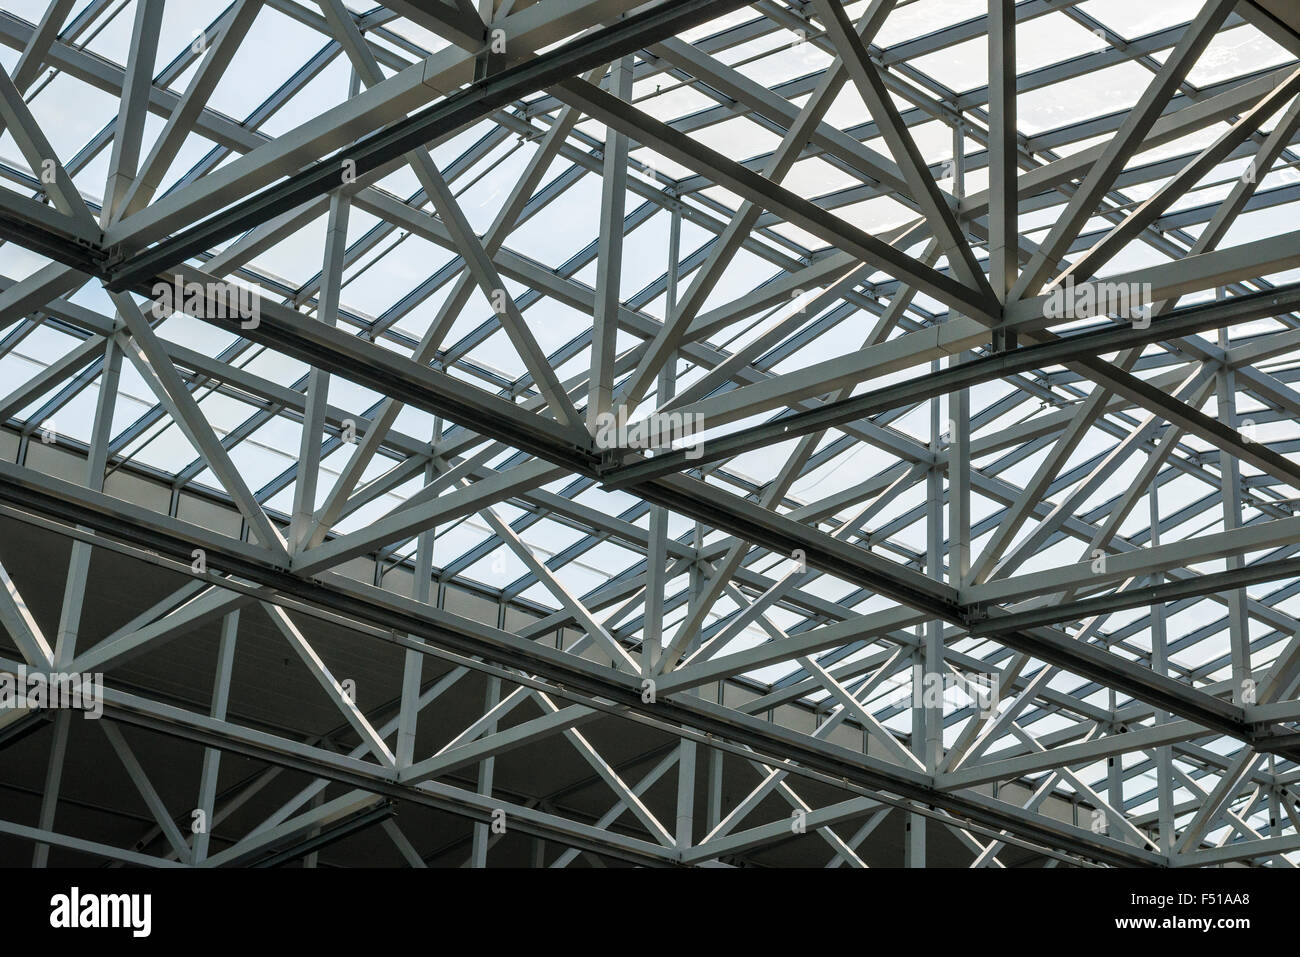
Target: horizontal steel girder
point(418, 627)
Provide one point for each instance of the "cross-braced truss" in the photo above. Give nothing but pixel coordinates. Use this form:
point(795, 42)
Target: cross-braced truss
point(539, 431)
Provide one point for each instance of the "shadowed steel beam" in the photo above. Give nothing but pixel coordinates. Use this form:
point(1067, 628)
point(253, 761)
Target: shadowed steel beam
point(447, 20)
point(609, 265)
point(1003, 216)
point(397, 616)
